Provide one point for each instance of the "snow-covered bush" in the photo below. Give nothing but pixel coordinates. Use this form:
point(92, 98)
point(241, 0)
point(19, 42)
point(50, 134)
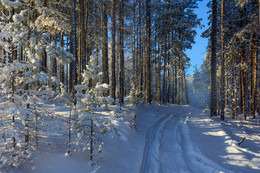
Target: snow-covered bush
point(92, 118)
point(16, 157)
point(19, 117)
point(23, 112)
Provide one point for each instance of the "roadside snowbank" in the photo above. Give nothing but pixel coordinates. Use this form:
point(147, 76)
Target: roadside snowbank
point(218, 141)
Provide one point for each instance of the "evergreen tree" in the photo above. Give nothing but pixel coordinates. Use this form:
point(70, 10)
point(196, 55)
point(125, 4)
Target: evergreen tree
point(89, 124)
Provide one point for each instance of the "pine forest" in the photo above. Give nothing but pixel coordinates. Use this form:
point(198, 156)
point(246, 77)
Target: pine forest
point(106, 86)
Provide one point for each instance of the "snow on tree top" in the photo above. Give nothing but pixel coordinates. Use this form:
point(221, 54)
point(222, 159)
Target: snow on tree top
point(80, 87)
point(29, 101)
point(11, 4)
point(102, 87)
point(114, 107)
point(17, 18)
point(108, 99)
point(42, 77)
point(24, 13)
point(80, 95)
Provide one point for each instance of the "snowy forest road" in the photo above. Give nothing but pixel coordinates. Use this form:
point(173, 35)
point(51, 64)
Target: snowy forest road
point(166, 139)
point(168, 147)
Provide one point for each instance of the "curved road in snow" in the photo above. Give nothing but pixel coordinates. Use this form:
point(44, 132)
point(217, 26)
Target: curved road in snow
point(168, 147)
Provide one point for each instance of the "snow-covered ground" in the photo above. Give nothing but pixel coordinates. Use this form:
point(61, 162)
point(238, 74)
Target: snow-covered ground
point(165, 139)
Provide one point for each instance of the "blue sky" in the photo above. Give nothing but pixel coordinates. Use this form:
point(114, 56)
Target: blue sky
point(196, 54)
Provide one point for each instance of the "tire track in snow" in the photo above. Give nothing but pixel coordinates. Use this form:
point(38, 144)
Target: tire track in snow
point(168, 147)
point(171, 155)
point(150, 162)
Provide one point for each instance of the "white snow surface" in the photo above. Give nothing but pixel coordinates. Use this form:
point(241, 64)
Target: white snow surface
point(165, 139)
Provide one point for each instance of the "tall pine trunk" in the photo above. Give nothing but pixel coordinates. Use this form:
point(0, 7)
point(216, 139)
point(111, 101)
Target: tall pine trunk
point(222, 64)
point(148, 52)
point(159, 73)
point(164, 73)
point(253, 77)
point(82, 42)
point(226, 89)
point(104, 19)
point(178, 80)
point(168, 93)
point(213, 61)
point(44, 56)
point(140, 57)
point(243, 82)
point(121, 54)
point(134, 74)
point(185, 85)
point(113, 50)
point(61, 65)
point(173, 85)
point(234, 82)
point(73, 80)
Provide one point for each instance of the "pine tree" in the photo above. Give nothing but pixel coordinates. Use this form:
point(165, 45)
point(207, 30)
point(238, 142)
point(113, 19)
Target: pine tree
point(148, 54)
point(213, 84)
point(121, 53)
point(104, 20)
point(89, 125)
point(113, 50)
point(73, 79)
point(222, 75)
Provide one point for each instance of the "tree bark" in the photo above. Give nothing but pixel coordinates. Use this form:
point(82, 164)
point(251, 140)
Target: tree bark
point(234, 91)
point(105, 76)
point(113, 50)
point(73, 80)
point(243, 82)
point(178, 80)
point(173, 85)
point(182, 90)
point(185, 85)
point(222, 66)
point(87, 39)
point(159, 73)
point(148, 52)
point(61, 65)
point(253, 78)
point(140, 48)
point(213, 84)
point(226, 89)
point(83, 28)
point(121, 54)
point(168, 93)
point(134, 75)
point(82, 41)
